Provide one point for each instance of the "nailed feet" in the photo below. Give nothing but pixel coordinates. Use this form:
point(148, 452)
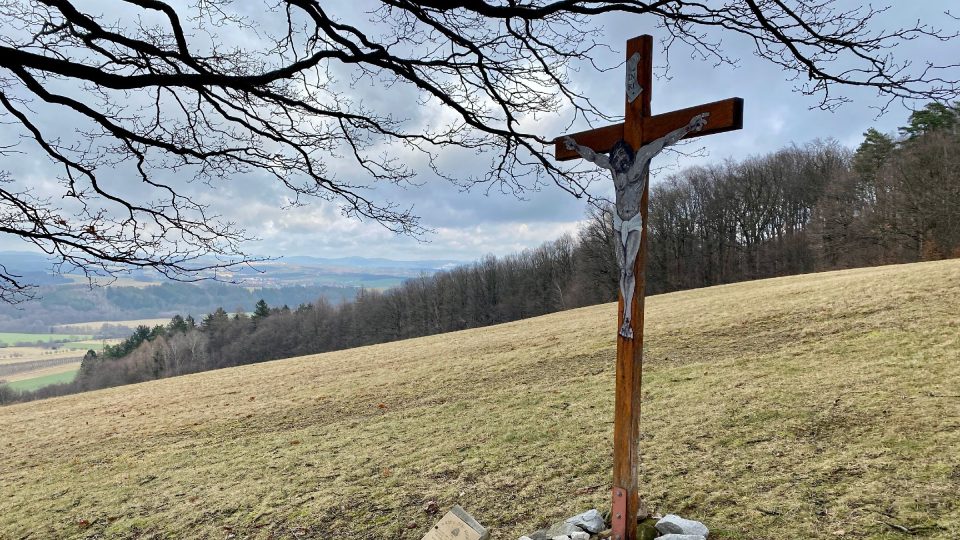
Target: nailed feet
point(625, 330)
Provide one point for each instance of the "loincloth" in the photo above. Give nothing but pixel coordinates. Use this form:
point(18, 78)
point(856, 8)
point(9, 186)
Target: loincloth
point(624, 228)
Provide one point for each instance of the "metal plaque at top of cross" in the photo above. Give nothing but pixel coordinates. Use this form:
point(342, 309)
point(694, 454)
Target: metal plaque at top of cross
point(626, 150)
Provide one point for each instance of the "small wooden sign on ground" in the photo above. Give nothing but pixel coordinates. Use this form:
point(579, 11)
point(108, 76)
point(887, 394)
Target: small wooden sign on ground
point(457, 524)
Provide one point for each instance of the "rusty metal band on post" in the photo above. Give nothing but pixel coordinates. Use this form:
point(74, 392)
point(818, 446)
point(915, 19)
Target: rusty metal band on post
point(618, 514)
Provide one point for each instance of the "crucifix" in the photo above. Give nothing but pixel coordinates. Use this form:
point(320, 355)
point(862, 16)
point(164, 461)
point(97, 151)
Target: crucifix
point(630, 147)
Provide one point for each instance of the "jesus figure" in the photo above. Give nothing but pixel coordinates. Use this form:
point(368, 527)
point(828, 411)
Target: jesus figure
point(630, 177)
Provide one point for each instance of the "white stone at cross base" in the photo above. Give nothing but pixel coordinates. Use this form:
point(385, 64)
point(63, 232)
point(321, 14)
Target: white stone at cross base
point(674, 524)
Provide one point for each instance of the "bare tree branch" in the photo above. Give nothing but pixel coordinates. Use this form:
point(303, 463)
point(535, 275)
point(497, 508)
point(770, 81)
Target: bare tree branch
point(159, 92)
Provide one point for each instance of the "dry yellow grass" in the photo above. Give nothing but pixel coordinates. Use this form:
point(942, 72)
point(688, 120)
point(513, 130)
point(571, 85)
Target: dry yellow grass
point(16, 355)
point(821, 406)
point(95, 325)
point(73, 349)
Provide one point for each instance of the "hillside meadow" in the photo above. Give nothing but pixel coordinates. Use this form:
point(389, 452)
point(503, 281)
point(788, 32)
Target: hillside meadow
point(32, 380)
point(18, 355)
point(19, 366)
point(15, 338)
point(96, 325)
point(818, 406)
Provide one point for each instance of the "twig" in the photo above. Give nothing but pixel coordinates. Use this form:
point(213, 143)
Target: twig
point(900, 528)
point(931, 394)
point(756, 441)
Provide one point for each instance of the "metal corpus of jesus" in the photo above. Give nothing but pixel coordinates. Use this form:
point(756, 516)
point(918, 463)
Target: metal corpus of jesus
point(631, 145)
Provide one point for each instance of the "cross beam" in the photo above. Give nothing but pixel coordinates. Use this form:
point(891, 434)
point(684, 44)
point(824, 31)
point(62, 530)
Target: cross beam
point(725, 115)
point(639, 128)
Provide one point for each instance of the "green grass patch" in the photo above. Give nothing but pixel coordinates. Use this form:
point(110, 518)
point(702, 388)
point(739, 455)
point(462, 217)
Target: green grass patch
point(86, 345)
point(46, 380)
point(13, 338)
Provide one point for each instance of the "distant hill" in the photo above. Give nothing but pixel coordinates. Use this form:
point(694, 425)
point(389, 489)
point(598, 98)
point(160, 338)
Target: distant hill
point(375, 273)
point(814, 406)
point(67, 298)
point(374, 263)
point(65, 304)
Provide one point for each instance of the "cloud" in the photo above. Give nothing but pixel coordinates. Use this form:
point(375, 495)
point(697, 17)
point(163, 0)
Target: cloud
point(323, 234)
point(470, 224)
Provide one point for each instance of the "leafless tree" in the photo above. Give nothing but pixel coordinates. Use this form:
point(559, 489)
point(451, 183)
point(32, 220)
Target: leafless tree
point(598, 276)
point(161, 93)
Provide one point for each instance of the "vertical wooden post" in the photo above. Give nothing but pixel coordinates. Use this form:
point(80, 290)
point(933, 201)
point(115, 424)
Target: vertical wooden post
point(626, 426)
point(639, 127)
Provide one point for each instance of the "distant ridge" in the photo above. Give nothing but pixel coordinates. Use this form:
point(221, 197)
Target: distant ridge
point(375, 262)
point(375, 272)
point(66, 298)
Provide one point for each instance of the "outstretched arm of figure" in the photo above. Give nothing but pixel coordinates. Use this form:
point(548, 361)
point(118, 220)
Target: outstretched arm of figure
point(647, 152)
point(586, 153)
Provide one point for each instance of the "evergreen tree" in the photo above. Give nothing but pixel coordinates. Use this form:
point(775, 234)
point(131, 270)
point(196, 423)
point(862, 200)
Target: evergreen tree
point(261, 310)
point(871, 154)
point(178, 325)
point(88, 364)
point(157, 331)
point(933, 117)
point(215, 319)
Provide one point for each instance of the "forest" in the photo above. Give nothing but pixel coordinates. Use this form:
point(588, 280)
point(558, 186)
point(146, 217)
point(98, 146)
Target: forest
point(805, 208)
point(811, 208)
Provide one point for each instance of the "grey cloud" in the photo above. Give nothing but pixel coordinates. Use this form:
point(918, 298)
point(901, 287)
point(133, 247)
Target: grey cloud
point(469, 225)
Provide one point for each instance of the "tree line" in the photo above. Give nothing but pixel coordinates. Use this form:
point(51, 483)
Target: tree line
point(814, 207)
point(805, 208)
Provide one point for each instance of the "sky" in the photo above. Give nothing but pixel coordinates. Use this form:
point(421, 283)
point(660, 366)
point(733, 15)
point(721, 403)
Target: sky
point(469, 225)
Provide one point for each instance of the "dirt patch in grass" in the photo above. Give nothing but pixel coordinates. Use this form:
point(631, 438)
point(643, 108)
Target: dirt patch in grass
point(820, 406)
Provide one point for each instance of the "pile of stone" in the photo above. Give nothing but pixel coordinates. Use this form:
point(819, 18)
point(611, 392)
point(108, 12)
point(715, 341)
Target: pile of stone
point(580, 527)
point(674, 527)
point(590, 525)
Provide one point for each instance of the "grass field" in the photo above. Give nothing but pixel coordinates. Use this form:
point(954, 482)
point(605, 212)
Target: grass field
point(95, 325)
point(15, 355)
point(118, 282)
point(12, 338)
point(88, 344)
point(820, 406)
point(38, 379)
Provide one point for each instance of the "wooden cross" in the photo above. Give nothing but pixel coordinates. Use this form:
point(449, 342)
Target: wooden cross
point(639, 128)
